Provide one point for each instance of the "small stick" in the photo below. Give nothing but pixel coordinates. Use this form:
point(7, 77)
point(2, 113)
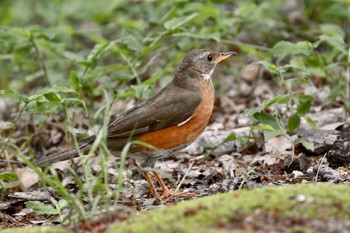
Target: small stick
point(184, 177)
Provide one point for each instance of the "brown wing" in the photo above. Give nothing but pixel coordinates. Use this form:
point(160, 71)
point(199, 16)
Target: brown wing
point(171, 106)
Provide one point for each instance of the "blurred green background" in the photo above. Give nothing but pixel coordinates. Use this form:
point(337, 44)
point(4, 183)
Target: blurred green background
point(60, 54)
point(96, 45)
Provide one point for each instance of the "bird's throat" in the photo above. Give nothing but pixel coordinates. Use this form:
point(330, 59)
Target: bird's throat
point(207, 76)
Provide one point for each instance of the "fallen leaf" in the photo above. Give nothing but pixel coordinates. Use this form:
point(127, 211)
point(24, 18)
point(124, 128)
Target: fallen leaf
point(332, 126)
point(27, 177)
point(278, 145)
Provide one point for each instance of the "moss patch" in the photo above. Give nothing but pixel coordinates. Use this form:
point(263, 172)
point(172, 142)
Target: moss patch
point(222, 212)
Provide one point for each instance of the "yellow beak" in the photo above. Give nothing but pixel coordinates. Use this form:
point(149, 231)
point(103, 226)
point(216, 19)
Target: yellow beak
point(224, 56)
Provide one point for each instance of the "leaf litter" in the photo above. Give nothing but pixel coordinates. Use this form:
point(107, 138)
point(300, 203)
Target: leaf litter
point(228, 156)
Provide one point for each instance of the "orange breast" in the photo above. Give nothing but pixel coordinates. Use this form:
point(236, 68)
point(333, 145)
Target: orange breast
point(175, 136)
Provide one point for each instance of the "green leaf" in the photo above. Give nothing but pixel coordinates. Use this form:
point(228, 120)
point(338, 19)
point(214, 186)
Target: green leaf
point(8, 180)
point(266, 118)
point(298, 63)
point(305, 103)
point(311, 122)
point(140, 90)
point(21, 33)
point(293, 122)
point(271, 134)
point(333, 35)
point(40, 208)
point(306, 144)
point(133, 40)
point(74, 80)
point(285, 48)
point(246, 10)
point(270, 67)
point(252, 111)
point(263, 127)
point(6, 125)
point(8, 185)
point(62, 203)
point(272, 121)
point(332, 30)
point(73, 100)
point(53, 90)
point(134, 43)
point(48, 100)
point(44, 103)
point(52, 97)
point(13, 94)
point(231, 137)
point(208, 11)
point(335, 41)
point(95, 54)
point(8, 176)
point(335, 91)
point(277, 100)
point(60, 89)
point(98, 50)
point(177, 22)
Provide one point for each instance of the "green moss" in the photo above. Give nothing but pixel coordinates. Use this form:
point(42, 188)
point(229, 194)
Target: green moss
point(317, 201)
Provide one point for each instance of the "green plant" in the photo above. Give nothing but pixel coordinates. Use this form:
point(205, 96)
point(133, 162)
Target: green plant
point(303, 61)
point(75, 58)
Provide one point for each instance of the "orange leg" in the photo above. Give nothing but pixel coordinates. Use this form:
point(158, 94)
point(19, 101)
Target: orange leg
point(167, 192)
point(151, 185)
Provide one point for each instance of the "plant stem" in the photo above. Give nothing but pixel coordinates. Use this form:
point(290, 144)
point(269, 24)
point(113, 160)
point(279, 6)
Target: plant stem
point(42, 61)
point(12, 130)
point(347, 97)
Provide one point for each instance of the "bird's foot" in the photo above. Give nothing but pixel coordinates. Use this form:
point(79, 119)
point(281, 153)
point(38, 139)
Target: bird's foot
point(168, 194)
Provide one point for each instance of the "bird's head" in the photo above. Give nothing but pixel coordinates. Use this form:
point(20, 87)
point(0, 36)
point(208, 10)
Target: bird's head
point(199, 64)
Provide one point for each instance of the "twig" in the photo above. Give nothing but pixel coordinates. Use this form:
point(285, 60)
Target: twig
point(184, 177)
point(319, 166)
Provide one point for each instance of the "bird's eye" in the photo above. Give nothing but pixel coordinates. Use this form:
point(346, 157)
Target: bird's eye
point(210, 57)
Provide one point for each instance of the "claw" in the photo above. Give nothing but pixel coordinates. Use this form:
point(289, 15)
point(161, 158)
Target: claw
point(167, 194)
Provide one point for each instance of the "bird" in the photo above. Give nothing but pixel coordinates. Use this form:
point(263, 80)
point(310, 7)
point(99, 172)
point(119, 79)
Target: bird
point(167, 122)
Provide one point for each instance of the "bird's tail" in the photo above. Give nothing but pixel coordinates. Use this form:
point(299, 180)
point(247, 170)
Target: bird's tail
point(70, 153)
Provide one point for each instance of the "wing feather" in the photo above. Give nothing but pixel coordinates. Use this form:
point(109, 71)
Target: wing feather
point(171, 106)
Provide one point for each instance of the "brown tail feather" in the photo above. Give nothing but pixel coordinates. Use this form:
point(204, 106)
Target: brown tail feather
point(60, 156)
point(70, 153)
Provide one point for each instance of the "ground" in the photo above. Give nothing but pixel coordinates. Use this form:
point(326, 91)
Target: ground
point(290, 208)
point(201, 169)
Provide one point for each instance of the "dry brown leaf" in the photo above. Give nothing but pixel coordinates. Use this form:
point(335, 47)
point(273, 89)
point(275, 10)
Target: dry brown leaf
point(251, 72)
point(27, 177)
point(332, 126)
point(278, 145)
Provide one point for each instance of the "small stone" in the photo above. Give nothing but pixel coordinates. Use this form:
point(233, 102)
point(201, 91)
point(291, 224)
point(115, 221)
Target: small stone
point(339, 155)
point(300, 198)
point(299, 163)
point(326, 173)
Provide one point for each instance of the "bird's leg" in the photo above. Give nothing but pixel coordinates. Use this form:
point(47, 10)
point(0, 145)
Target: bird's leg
point(167, 192)
point(151, 185)
point(150, 162)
